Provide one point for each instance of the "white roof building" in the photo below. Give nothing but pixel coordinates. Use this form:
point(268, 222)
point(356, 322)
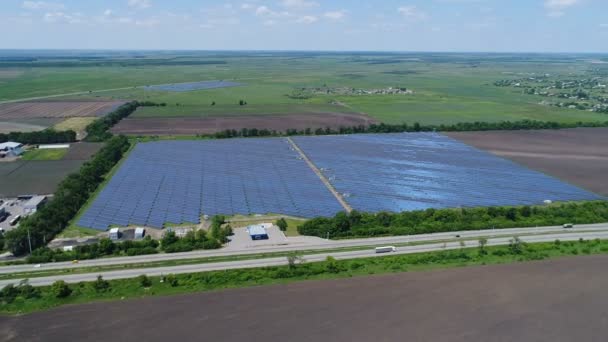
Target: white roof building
point(10, 145)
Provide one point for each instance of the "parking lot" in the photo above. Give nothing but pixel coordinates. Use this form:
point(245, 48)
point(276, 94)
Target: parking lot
point(242, 240)
point(14, 207)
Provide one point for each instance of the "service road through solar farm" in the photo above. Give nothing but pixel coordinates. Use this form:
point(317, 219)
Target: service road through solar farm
point(179, 181)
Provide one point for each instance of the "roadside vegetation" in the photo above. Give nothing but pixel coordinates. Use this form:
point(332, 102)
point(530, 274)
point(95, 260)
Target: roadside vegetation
point(361, 225)
point(23, 298)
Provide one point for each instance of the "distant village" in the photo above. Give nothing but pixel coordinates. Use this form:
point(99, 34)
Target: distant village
point(305, 93)
point(583, 94)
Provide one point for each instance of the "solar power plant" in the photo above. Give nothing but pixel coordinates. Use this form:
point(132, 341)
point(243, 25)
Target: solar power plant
point(412, 171)
point(178, 181)
point(192, 86)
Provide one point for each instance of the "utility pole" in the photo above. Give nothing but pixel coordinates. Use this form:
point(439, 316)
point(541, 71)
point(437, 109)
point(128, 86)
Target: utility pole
point(29, 240)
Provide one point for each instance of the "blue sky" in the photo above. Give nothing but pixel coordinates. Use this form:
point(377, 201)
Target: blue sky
point(385, 25)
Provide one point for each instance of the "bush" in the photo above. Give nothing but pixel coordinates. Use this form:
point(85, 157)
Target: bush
point(144, 281)
point(60, 289)
point(100, 285)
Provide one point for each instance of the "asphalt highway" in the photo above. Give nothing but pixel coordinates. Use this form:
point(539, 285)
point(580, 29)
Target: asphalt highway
point(320, 245)
point(242, 264)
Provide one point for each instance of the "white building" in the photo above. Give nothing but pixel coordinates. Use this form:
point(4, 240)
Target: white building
point(114, 234)
point(11, 149)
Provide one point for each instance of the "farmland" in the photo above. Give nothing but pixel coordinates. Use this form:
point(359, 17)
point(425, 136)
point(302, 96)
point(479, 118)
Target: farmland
point(446, 88)
point(578, 156)
point(43, 173)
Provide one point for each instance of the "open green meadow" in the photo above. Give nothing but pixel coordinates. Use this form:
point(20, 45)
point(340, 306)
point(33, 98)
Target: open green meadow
point(448, 88)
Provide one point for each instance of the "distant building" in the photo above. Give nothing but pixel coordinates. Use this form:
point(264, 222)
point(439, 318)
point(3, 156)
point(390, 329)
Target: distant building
point(33, 204)
point(259, 231)
point(114, 234)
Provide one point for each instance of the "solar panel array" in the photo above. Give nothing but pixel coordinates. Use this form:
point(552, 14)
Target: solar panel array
point(178, 181)
point(411, 171)
point(192, 86)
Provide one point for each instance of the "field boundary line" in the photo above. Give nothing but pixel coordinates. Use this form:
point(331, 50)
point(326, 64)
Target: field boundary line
point(321, 176)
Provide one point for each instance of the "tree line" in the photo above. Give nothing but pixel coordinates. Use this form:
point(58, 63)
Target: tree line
point(98, 130)
point(170, 243)
point(47, 136)
point(72, 193)
point(359, 225)
point(401, 128)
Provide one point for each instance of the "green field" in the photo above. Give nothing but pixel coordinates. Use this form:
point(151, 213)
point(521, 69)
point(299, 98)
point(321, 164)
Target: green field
point(45, 154)
point(448, 88)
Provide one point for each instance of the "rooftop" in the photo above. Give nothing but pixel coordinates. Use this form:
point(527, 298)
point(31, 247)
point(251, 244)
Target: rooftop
point(257, 229)
point(9, 145)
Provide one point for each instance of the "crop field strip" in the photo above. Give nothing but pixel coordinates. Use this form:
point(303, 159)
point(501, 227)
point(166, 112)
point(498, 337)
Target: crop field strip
point(63, 109)
point(178, 181)
point(414, 171)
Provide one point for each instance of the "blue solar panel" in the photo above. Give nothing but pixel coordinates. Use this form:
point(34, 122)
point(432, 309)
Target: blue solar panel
point(178, 181)
point(401, 172)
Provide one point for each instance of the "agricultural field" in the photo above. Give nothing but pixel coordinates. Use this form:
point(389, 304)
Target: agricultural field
point(550, 300)
point(56, 109)
point(578, 156)
point(441, 88)
point(44, 171)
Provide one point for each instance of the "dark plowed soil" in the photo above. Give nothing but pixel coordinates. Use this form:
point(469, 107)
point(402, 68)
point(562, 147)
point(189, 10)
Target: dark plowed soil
point(208, 125)
point(578, 156)
point(559, 300)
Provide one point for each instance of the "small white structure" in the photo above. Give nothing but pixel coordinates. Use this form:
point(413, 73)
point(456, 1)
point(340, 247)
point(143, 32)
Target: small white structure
point(33, 204)
point(139, 233)
point(114, 234)
point(53, 146)
point(68, 248)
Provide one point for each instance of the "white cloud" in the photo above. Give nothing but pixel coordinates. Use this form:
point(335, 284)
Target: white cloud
point(412, 12)
point(557, 8)
point(335, 15)
point(61, 17)
point(299, 4)
point(42, 5)
point(107, 12)
point(139, 4)
point(307, 19)
point(264, 11)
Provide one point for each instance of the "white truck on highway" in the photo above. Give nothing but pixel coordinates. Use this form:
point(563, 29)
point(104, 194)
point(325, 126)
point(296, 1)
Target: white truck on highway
point(386, 249)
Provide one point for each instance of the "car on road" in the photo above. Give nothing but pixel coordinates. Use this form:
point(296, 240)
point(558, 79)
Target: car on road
point(568, 225)
point(386, 249)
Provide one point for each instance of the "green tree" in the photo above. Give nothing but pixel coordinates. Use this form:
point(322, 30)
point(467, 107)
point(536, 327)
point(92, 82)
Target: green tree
point(282, 224)
point(60, 289)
